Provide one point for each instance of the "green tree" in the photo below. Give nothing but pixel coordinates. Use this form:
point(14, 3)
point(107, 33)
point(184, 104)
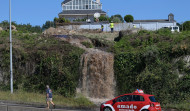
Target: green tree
point(186, 26)
point(129, 18)
point(118, 17)
point(116, 20)
point(103, 18)
point(48, 24)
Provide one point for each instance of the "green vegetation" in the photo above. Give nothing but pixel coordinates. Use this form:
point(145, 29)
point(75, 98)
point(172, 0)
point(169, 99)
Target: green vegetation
point(129, 18)
point(54, 23)
point(38, 61)
point(148, 60)
point(103, 18)
point(117, 18)
point(87, 44)
point(153, 61)
point(48, 24)
point(31, 97)
point(61, 20)
point(186, 26)
point(80, 20)
point(22, 28)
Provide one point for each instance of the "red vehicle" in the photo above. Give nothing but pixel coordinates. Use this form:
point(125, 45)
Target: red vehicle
point(136, 101)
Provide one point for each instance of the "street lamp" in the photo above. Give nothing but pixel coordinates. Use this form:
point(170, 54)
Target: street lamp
point(11, 66)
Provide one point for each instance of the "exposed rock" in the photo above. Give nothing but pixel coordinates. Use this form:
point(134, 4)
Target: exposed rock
point(58, 31)
point(1, 29)
point(96, 67)
point(12, 27)
point(97, 75)
point(186, 60)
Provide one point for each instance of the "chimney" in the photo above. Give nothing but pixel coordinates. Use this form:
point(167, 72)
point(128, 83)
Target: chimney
point(98, 1)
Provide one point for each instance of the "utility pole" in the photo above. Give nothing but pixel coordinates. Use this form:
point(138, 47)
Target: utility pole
point(11, 65)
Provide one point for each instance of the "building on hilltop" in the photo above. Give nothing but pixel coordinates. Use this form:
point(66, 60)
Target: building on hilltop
point(81, 9)
point(155, 24)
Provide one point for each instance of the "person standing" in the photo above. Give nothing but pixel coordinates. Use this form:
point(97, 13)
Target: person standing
point(112, 26)
point(49, 97)
point(134, 26)
point(102, 27)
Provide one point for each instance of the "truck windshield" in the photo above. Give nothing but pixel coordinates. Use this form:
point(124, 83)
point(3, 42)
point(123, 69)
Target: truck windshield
point(152, 99)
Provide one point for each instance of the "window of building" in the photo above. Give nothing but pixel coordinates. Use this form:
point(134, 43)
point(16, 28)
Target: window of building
point(86, 6)
point(81, 5)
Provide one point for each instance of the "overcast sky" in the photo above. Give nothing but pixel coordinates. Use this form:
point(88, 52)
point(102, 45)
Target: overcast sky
point(36, 12)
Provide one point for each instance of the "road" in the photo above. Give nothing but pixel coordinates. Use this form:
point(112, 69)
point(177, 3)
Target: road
point(22, 107)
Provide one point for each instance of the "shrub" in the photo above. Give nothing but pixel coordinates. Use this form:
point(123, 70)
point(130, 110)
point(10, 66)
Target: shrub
point(150, 64)
point(129, 18)
point(87, 44)
point(186, 26)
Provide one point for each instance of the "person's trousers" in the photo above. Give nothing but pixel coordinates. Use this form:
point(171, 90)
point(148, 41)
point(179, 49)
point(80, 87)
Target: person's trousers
point(111, 30)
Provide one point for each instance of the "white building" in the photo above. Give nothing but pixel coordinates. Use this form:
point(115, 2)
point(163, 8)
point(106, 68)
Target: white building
point(155, 24)
point(81, 9)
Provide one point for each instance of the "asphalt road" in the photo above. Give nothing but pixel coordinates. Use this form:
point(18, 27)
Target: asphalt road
point(6, 106)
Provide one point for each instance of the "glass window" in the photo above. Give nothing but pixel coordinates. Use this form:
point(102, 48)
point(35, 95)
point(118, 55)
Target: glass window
point(68, 7)
point(86, 6)
point(69, 3)
point(124, 98)
point(80, 7)
point(77, 3)
point(77, 7)
point(138, 98)
point(93, 7)
point(175, 28)
point(152, 99)
point(64, 7)
point(86, 2)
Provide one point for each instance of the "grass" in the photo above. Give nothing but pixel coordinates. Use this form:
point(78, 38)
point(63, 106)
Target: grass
point(180, 106)
point(29, 97)
point(105, 35)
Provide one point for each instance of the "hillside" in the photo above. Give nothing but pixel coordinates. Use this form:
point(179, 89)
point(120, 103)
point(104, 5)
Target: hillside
point(38, 61)
point(157, 62)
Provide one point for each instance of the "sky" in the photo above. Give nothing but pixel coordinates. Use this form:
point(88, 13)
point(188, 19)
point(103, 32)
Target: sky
point(37, 12)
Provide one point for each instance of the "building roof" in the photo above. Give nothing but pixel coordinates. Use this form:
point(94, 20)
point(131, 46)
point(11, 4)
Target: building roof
point(65, 1)
point(156, 20)
point(171, 14)
point(81, 12)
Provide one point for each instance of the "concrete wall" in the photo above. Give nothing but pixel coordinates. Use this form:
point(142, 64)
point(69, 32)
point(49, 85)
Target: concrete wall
point(122, 26)
point(153, 25)
point(118, 26)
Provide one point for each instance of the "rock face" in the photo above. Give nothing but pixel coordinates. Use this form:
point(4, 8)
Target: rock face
point(97, 75)
point(96, 71)
point(1, 29)
point(59, 31)
point(186, 64)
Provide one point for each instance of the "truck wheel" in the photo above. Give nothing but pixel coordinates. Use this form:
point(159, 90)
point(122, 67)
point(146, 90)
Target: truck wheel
point(107, 109)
